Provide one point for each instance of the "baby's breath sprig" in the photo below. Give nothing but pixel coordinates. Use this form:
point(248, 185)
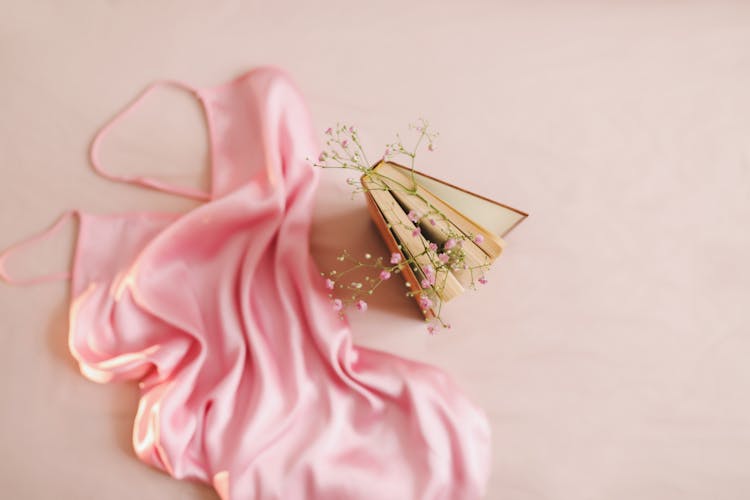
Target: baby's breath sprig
point(344, 150)
point(359, 290)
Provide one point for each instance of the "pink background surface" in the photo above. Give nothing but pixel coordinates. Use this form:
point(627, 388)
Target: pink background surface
point(609, 347)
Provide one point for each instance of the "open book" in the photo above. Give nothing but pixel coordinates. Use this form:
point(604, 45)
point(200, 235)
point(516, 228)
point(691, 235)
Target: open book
point(452, 234)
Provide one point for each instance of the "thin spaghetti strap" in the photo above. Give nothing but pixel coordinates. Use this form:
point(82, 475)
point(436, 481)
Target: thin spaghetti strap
point(148, 182)
point(28, 241)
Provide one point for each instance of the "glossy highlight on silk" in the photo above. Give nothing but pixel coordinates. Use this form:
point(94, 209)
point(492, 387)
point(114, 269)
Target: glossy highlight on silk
point(249, 380)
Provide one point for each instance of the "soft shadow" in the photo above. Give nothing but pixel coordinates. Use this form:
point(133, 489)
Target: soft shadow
point(353, 229)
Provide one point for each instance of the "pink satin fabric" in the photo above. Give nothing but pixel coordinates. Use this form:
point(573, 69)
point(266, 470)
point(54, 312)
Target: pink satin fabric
point(249, 380)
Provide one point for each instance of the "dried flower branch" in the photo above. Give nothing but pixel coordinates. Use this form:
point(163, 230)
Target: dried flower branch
point(344, 150)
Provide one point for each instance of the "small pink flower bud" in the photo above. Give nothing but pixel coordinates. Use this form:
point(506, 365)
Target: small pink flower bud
point(482, 280)
point(425, 283)
point(384, 275)
point(433, 246)
point(431, 329)
point(344, 143)
point(395, 258)
point(443, 257)
point(337, 304)
point(478, 238)
point(362, 305)
point(413, 215)
point(425, 302)
point(416, 231)
point(329, 283)
point(432, 221)
point(329, 131)
point(449, 244)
